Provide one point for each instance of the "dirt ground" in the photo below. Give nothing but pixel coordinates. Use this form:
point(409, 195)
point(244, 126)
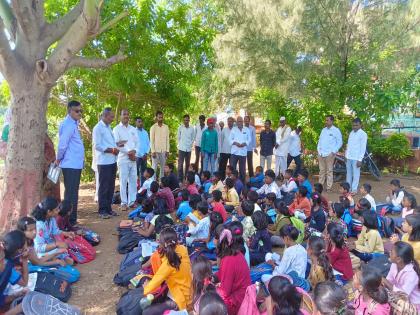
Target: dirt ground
point(95, 293)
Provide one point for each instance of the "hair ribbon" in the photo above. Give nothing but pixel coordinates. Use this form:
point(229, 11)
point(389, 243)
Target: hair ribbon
point(226, 234)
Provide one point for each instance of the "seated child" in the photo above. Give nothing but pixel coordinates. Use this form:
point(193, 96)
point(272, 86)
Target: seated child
point(230, 196)
point(304, 181)
point(330, 298)
point(289, 185)
point(166, 193)
point(191, 184)
point(301, 206)
point(344, 191)
point(411, 230)
point(247, 208)
point(161, 216)
point(253, 197)
point(270, 185)
point(239, 186)
point(282, 219)
point(47, 231)
point(206, 182)
point(184, 207)
point(269, 200)
point(194, 217)
point(144, 191)
point(341, 216)
point(258, 180)
point(321, 269)
point(369, 243)
point(365, 190)
point(260, 241)
point(318, 188)
point(201, 230)
point(28, 226)
point(395, 196)
point(173, 181)
point(318, 217)
point(409, 204)
point(215, 221)
point(193, 168)
point(229, 170)
point(217, 183)
point(217, 204)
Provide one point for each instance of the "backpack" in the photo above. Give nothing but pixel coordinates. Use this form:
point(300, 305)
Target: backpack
point(68, 273)
point(297, 223)
point(80, 250)
point(258, 271)
point(50, 284)
point(387, 226)
point(129, 303)
point(381, 264)
point(161, 221)
point(181, 231)
point(123, 277)
point(128, 242)
point(92, 237)
point(36, 303)
point(400, 303)
point(131, 258)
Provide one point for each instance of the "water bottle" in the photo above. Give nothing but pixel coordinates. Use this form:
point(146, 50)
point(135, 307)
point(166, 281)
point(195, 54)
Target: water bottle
point(146, 301)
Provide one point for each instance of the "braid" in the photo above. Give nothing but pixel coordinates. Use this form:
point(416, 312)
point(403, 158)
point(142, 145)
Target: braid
point(324, 262)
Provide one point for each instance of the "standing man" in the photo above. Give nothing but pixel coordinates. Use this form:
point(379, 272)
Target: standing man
point(159, 143)
point(295, 150)
point(251, 148)
point(267, 142)
point(185, 137)
point(239, 140)
point(209, 146)
point(282, 146)
point(201, 126)
point(225, 147)
point(356, 149)
point(330, 141)
point(126, 134)
point(143, 149)
point(106, 159)
point(71, 155)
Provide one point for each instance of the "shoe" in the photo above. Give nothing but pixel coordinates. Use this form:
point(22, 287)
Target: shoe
point(114, 214)
point(123, 208)
point(133, 206)
point(104, 216)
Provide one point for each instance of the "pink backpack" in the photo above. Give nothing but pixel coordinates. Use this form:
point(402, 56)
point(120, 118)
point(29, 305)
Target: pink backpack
point(80, 250)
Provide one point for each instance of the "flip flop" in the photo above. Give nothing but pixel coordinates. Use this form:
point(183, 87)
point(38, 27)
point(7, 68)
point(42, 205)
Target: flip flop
point(35, 303)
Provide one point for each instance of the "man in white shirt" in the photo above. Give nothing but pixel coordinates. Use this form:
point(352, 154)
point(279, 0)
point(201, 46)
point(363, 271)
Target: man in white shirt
point(295, 150)
point(185, 137)
point(225, 147)
point(356, 149)
point(281, 149)
point(330, 141)
point(239, 140)
point(127, 165)
point(251, 146)
point(199, 128)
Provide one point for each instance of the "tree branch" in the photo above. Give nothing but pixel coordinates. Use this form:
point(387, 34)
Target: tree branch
point(7, 57)
point(96, 63)
point(8, 18)
point(25, 13)
point(111, 23)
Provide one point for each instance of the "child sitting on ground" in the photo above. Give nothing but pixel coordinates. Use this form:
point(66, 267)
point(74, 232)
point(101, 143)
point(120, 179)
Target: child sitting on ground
point(269, 200)
point(47, 231)
point(409, 207)
point(270, 185)
point(289, 185)
point(318, 218)
point(253, 197)
point(340, 216)
point(229, 170)
point(203, 280)
point(239, 186)
point(259, 243)
point(217, 183)
point(344, 191)
point(191, 184)
point(230, 196)
point(282, 219)
point(395, 196)
point(411, 230)
point(318, 188)
point(144, 191)
point(321, 269)
point(206, 182)
point(194, 217)
point(194, 170)
point(301, 206)
point(258, 180)
point(365, 190)
point(304, 181)
point(166, 193)
point(247, 208)
point(200, 231)
point(217, 204)
point(330, 299)
point(184, 208)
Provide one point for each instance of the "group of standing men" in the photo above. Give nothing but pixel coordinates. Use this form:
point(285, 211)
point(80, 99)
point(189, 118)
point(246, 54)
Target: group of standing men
point(127, 148)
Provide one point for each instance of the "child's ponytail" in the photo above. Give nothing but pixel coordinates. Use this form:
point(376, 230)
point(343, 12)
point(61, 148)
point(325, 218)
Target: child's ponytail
point(41, 210)
point(169, 241)
point(317, 246)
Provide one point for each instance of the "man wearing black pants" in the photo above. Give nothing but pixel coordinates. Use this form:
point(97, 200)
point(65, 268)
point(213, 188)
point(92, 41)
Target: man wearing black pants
point(70, 155)
point(225, 147)
point(107, 149)
point(239, 140)
point(198, 133)
point(252, 146)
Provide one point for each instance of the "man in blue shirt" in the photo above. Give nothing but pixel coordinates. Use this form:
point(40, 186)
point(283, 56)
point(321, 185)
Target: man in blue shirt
point(71, 155)
point(107, 151)
point(143, 149)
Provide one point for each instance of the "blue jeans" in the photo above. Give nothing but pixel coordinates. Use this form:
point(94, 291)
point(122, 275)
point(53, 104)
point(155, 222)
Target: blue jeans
point(353, 174)
point(209, 162)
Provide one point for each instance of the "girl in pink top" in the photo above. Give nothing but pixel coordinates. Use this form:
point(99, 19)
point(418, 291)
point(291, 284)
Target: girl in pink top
point(404, 274)
point(409, 203)
point(370, 297)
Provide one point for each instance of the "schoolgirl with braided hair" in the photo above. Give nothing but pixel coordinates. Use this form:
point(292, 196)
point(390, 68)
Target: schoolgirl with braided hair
point(175, 270)
point(321, 269)
point(234, 273)
point(203, 280)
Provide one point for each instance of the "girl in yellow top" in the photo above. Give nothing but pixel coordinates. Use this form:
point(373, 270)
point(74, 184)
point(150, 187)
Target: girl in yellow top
point(411, 229)
point(175, 270)
point(321, 269)
point(369, 243)
point(230, 196)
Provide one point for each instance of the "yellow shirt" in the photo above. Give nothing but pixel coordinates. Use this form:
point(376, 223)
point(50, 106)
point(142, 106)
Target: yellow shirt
point(231, 198)
point(159, 138)
point(178, 281)
point(415, 245)
point(316, 275)
point(218, 186)
point(370, 242)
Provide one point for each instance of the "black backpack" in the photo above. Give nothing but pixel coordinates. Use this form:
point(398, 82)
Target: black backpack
point(128, 242)
point(387, 226)
point(131, 258)
point(123, 277)
point(129, 303)
point(50, 284)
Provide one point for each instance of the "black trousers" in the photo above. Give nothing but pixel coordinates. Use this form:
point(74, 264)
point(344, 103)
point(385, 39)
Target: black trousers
point(197, 159)
point(71, 190)
point(107, 174)
point(249, 157)
point(234, 160)
point(298, 162)
point(141, 167)
point(223, 161)
point(183, 157)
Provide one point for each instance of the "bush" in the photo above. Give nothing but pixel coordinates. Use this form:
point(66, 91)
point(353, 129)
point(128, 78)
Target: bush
point(394, 148)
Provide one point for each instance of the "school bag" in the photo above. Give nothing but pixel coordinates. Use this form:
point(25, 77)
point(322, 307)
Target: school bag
point(297, 223)
point(68, 273)
point(36, 303)
point(80, 250)
point(258, 271)
point(131, 258)
point(129, 303)
point(123, 277)
point(387, 226)
point(381, 264)
point(92, 237)
point(400, 303)
point(181, 231)
point(128, 242)
point(50, 284)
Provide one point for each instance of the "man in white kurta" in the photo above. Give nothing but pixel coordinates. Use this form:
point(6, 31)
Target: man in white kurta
point(281, 150)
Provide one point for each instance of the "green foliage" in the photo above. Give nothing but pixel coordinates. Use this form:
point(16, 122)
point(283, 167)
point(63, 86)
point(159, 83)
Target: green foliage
point(394, 148)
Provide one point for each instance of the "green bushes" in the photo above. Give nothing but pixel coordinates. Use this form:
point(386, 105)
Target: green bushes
point(395, 148)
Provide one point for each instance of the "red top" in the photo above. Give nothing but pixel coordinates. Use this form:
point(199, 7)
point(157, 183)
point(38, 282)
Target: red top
point(324, 202)
point(302, 204)
point(233, 285)
point(192, 189)
point(219, 208)
point(166, 193)
point(340, 261)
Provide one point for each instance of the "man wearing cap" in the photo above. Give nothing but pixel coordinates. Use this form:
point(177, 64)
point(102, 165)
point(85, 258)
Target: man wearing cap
point(239, 140)
point(199, 128)
point(282, 146)
point(251, 148)
point(209, 146)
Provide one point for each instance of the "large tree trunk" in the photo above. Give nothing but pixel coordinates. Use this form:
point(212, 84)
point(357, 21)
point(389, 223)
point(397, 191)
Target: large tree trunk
point(25, 153)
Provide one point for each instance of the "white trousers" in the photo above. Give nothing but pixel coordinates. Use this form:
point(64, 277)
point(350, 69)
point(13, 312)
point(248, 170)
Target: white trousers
point(128, 175)
point(281, 165)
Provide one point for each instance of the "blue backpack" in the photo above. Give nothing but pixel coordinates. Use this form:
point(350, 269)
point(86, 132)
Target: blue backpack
point(131, 259)
point(258, 271)
point(67, 273)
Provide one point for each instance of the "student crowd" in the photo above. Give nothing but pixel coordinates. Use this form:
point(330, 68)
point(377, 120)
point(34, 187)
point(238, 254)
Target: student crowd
point(219, 242)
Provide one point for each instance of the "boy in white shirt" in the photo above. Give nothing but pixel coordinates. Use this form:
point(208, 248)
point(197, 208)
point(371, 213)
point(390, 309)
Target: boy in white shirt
point(200, 232)
point(144, 190)
point(270, 185)
point(365, 190)
point(289, 184)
